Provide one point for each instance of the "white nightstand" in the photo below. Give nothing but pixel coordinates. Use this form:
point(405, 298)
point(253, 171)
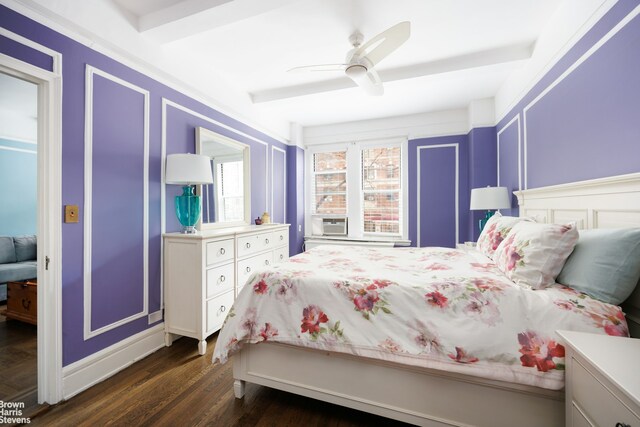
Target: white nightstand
point(602, 380)
point(466, 245)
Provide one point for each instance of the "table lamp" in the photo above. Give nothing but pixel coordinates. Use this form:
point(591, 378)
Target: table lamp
point(188, 170)
point(489, 199)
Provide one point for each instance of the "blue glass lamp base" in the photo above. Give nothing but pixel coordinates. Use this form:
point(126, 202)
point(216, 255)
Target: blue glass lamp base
point(188, 209)
point(484, 220)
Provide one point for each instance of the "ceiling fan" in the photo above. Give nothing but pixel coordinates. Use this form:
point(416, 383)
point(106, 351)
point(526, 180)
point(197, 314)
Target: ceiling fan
point(361, 60)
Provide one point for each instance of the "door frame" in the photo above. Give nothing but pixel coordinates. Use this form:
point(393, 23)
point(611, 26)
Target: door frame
point(49, 184)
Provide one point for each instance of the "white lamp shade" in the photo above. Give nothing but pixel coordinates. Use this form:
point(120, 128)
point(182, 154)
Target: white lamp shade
point(188, 169)
point(490, 198)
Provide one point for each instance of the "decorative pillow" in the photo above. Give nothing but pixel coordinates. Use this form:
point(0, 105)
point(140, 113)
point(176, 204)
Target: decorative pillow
point(26, 248)
point(605, 264)
point(494, 232)
point(533, 254)
point(7, 250)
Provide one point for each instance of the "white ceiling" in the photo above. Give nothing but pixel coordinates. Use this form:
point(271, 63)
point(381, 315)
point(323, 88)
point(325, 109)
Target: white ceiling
point(459, 50)
point(236, 53)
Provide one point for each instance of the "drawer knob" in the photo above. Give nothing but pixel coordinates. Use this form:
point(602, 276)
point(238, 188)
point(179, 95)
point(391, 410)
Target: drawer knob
point(248, 269)
point(281, 237)
point(222, 278)
point(223, 308)
point(281, 256)
point(266, 262)
point(266, 241)
point(622, 425)
point(26, 303)
point(222, 251)
point(248, 245)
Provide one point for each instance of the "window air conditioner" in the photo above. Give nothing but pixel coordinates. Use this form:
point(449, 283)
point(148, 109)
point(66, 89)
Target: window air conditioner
point(334, 226)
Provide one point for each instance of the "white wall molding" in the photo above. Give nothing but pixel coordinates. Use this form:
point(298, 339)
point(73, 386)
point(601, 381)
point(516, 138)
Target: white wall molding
point(55, 55)
point(454, 145)
point(623, 23)
point(505, 106)
point(90, 72)
point(414, 126)
point(284, 189)
point(99, 366)
point(91, 40)
point(21, 150)
point(515, 119)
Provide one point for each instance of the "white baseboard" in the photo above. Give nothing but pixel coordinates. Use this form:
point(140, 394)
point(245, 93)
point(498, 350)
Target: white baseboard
point(93, 369)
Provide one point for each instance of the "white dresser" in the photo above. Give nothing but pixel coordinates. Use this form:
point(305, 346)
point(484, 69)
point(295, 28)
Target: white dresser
point(603, 380)
point(203, 274)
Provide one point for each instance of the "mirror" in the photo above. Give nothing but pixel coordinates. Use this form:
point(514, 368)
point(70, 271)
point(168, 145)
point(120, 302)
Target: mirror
point(228, 200)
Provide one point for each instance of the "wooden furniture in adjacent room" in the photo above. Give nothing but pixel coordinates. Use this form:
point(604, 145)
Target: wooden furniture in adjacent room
point(22, 301)
point(603, 380)
point(204, 272)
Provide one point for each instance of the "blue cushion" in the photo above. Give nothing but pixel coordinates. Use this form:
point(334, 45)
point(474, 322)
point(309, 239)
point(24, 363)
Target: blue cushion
point(605, 264)
point(7, 250)
point(26, 248)
point(18, 271)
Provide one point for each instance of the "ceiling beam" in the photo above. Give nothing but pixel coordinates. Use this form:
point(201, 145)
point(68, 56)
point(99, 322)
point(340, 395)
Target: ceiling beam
point(190, 17)
point(478, 59)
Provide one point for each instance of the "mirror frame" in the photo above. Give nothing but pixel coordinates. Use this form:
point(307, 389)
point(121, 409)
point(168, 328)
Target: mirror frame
point(201, 132)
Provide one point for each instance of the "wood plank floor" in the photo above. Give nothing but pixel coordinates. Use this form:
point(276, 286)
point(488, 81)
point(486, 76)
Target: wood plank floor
point(18, 357)
point(176, 387)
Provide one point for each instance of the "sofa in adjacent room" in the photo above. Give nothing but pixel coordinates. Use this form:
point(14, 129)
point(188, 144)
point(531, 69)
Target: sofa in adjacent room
point(17, 260)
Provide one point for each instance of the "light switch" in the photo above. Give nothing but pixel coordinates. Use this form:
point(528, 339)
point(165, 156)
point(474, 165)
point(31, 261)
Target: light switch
point(71, 213)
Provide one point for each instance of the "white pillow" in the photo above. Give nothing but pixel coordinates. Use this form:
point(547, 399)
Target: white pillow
point(533, 254)
point(494, 232)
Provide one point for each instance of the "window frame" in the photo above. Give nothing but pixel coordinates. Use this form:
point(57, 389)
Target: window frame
point(355, 193)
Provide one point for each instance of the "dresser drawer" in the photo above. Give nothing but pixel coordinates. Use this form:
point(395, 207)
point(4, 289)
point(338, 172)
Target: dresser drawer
point(281, 254)
point(248, 245)
point(280, 237)
point(577, 419)
point(250, 265)
point(219, 251)
point(596, 401)
point(217, 310)
point(220, 279)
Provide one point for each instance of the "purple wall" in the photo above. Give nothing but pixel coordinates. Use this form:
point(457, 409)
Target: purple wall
point(482, 169)
point(117, 123)
point(437, 190)
point(586, 126)
point(295, 198)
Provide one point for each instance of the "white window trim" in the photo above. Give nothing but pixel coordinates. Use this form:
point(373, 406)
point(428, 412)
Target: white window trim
point(354, 185)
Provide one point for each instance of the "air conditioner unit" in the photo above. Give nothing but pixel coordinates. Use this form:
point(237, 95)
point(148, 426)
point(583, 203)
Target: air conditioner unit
point(334, 226)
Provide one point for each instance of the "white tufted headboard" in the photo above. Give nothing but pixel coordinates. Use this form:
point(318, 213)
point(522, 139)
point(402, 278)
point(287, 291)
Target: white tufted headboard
point(612, 202)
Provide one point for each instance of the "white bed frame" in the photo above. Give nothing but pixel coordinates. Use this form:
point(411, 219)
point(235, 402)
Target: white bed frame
point(435, 398)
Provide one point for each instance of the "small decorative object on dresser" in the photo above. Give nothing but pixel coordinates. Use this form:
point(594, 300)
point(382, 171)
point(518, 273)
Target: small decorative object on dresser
point(602, 380)
point(22, 301)
point(203, 274)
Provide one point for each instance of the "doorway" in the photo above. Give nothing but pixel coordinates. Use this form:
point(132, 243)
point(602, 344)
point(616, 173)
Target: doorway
point(46, 238)
point(18, 238)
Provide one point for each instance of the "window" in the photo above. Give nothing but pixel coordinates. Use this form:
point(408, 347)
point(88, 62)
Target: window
point(330, 183)
point(230, 203)
point(381, 194)
point(362, 181)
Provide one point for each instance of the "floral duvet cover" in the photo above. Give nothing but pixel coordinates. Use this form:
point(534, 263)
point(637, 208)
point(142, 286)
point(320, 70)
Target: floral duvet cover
point(438, 308)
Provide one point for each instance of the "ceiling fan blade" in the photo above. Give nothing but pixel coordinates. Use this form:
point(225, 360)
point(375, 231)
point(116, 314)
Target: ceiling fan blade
point(321, 67)
point(379, 47)
point(369, 81)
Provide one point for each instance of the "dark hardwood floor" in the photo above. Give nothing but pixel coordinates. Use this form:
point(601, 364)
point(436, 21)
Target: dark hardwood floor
point(176, 387)
point(18, 357)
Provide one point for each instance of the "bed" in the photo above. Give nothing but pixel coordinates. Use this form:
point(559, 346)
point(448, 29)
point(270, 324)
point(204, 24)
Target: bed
point(452, 388)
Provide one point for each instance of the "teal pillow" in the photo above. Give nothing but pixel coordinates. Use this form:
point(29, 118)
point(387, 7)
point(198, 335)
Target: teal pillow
point(605, 264)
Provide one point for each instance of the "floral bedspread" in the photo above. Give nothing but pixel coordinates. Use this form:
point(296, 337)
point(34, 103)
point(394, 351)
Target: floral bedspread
point(431, 307)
